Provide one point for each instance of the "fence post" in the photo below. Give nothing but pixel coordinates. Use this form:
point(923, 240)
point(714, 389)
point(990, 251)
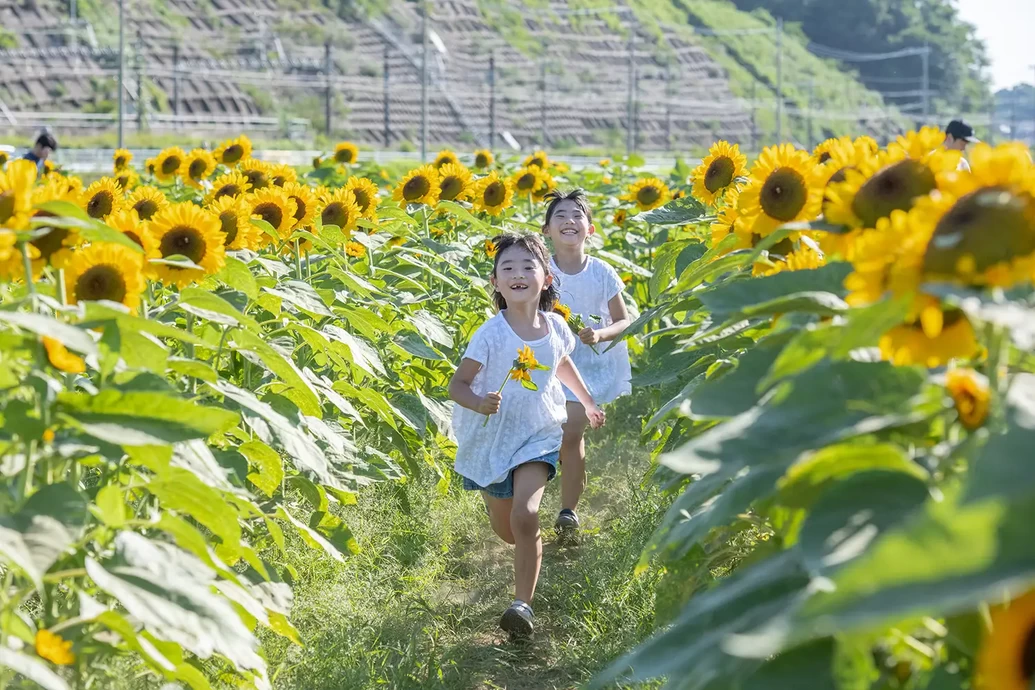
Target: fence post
point(668, 106)
point(328, 65)
point(492, 101)
point(176, 81)
point(779, 80)
point(424, 81)
point(140, 83)
point(388, 102)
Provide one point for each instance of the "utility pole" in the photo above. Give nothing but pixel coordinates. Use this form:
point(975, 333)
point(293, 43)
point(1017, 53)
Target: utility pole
point(73, 18)
point(388, 101)
point(779, 80)
point(328, 65)
point(492, 101)
point(176, 80)
point(140, 82)
point(926, 82)
point(668, 106)
point(122, 63)
point(630, 143)
point(542, 104)
point(812, 87)
point(424, 81)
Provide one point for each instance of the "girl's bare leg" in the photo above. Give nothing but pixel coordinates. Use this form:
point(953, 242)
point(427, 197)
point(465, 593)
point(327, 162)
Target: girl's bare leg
point(529, 485)
point(573, 456)
point(499, 516)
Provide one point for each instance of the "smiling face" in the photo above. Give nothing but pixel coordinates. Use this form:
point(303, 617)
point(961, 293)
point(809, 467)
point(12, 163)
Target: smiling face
point(519, 276)
point(569, 224)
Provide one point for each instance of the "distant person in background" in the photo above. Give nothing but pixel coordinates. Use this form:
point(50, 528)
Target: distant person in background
point(957, 135)
point(45, 145)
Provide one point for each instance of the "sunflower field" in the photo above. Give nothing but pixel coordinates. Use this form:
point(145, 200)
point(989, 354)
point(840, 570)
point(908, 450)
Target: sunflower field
point(206, 357)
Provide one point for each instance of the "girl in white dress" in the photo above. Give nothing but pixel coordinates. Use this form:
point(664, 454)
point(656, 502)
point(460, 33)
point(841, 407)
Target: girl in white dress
point(508, 438)
point(591, 291)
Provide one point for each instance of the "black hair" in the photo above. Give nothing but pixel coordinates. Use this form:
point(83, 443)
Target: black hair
point(535, 246)
point(48, 140)
point(555, 197)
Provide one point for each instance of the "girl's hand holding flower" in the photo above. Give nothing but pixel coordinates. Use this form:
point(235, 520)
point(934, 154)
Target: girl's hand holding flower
point(490, 404)
point(589, 336)
point(596, 416)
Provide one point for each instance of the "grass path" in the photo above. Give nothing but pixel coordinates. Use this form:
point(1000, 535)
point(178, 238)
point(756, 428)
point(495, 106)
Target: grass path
point(418, 608)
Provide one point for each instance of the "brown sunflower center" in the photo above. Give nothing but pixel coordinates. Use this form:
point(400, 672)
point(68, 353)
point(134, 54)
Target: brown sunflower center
point(135, 237)
point(362, 199)
point(719, 174)
point(123, 180)
point(231, 189)
point(184, 240)
point(992, 225)
point(6, 206)
point(526, 181)
point(100, 204)
point(228, 224)
point(892, 189)
point(146, 208)
point(279, 181)
point(648, 195)
point(100, 282)
point(451, 187)
point(197, 169)
point(233, 153)
point(782, 248)
point(170, 165)
point(537, 161)
point(120, 162)
point(335, 213)
point(270, 212)
point(824, 157)
point(257, 178)
point(494, 194)
point(50, 243)
point(1028, 657)
point(344, 156)
point(416, 188)
point(784, 194)
point(300, 208)
point(481, 161)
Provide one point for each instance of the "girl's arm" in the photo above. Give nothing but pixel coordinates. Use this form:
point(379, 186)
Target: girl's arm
point(461, 393)
point(620, 321)
point(571, 378)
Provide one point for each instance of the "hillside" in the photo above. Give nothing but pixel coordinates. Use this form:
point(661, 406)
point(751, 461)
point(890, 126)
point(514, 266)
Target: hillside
point(562, 72)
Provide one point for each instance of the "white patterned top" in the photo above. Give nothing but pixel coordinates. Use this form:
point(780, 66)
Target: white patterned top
point(606, 372)
point(528, 425)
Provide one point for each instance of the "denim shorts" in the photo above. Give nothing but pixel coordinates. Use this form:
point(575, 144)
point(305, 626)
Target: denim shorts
point(505, 488)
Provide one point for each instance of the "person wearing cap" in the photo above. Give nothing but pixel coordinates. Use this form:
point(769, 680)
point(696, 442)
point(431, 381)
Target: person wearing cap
point(45, 145)
point(957, 135)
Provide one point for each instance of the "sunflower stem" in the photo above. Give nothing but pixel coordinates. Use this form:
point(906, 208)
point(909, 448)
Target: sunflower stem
point(499, 392)
point(27, 262)
point(298, 260)
point(61, 287)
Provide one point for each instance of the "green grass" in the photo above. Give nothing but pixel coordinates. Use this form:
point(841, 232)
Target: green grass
point(418, 608)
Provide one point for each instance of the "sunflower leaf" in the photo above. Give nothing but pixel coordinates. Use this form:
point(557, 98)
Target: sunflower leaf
point(68, 215)
point(684, 211)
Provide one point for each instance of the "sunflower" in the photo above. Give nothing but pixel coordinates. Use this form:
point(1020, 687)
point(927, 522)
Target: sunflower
point(16, 185)
point(620, 217)
point(454, 182)
point(969, 391)
point(233, 151)
point(317, 162)
point(4, 158)
point(54, 247)
point(184, 229)
point(822, 152)
point(723, 165)
point(546, 185)
point(910, 344)
point(198, 165)
point(169, 163)
point(1006, 660)
point(340, 209)
point(151, 166)
point(366, 195)
point(258, 173)
point(648, 193)
point(419, 186)
point(867, 142)
point(841, 155)
point(783, 187)
point(537, 158)
point(563, 309)
point(492, 194)
point(126, 179)
point(801, 259)
point(483, 159)
point(51, 646)
point(235, 223)
point(305, 199)
point(445, 157)
point(491, 249)
point(527, 180)
point(106, 272)
point(102, 198)
point(282, 174)
point(346, 153)
point(129, 224)
point(355, 249)
point(121, 159)
point(146, 201)
point(231, 184)
point(274, 206)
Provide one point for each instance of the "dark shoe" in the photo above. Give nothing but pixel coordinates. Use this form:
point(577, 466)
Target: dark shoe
point(517, 620)
point(567, 520)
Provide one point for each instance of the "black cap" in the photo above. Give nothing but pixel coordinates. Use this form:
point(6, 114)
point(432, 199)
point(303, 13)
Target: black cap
point(961, 130)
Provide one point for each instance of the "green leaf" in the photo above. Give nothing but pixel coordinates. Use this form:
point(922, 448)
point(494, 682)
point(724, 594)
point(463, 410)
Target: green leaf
point(143, 418)
point(683, 211)
point(665, 262)
point(310, 536)
point(812, 664)
point(441, 413)
point(268, 463)
point(735, 296)
point(68, 215)
point(412, 344)
point(192, 367)
point(302, 296)
point(36, 536)
point(70, 336)
point(738, 390)
point(1003, 468)
point(211, 307)
point(138, 350)
point(236, 275)
point(363, 355)
point(431, 327)
point(336, 532)
point(460, 212)
point(98, 314)
point(32, 668)
point(170, 593)
point(110, 506)
point(282, 367)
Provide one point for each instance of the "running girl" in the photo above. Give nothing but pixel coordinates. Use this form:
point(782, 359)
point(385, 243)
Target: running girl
point(508, 442)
